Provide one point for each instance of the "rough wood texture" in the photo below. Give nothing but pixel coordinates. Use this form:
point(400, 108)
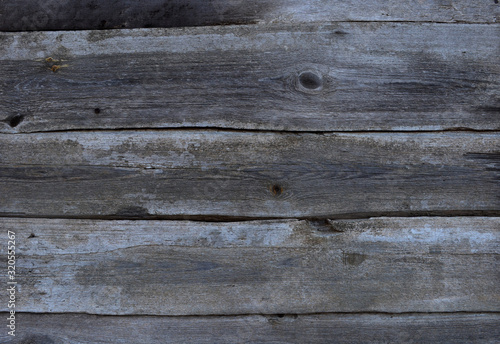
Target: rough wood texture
point(246, 175)
point(17, 15)
point(315, 77)
point(302, 329)
point(264, 267)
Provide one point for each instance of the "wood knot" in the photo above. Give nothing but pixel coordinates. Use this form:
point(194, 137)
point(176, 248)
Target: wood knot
point(54, 65)
point(354, 259)
point(276, 190)
point(15, 120)
point(309, 81)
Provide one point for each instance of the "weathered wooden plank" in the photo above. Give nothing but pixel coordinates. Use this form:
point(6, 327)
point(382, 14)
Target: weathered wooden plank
point(323, 328)
point(266, 267)
point(19, 15)
point(315, 77)
point(247, 174)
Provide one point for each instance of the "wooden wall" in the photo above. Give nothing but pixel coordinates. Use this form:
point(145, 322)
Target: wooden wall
point(251, 172)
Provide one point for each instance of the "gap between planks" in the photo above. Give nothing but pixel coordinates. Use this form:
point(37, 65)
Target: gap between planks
point(317, 221)
point(266, 315)
point(250, 130)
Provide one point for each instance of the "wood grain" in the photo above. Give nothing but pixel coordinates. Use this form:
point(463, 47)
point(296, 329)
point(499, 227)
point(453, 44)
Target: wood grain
point(302, 329)
point(314, 77)
point(263, 267)
point(19, 15)
point(172, 174)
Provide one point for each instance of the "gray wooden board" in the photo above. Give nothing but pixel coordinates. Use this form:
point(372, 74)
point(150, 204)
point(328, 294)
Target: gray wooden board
point(427, 264)
point(17, 15)
point(247, 174)
point(314, 77)
point(302, 329)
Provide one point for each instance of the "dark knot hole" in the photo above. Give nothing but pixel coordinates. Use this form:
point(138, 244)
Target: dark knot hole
point(14, 121)
point(276, 190)
point(310, 80)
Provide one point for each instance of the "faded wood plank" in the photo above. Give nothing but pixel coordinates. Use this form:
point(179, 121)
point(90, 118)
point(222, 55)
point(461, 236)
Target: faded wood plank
point(247, 175)
point(18, 15)
point(315, 77)
point(265, 267)
point(325, 328)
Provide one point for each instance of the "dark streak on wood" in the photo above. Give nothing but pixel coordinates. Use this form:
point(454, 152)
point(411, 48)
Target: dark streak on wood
point(18, 15)
point(96, 14)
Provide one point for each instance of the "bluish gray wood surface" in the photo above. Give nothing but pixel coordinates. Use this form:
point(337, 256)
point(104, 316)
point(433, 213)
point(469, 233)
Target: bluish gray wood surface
point(238, 175)
point(153, 126)
point(314, 77)
point(275, 329)
point(394, 265)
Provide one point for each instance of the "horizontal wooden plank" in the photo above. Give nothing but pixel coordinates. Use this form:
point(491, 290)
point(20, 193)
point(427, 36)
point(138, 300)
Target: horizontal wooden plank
point(324, 328)
point(314, 77)
point(248, 175)
point(19, 15)
point(261, 267)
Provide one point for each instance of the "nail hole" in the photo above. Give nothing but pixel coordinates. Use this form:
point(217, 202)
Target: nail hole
point(280, 315)
point(97, 111)
point(32, 235)
point(310, 80)
point(276, 190)
point(15, 120)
